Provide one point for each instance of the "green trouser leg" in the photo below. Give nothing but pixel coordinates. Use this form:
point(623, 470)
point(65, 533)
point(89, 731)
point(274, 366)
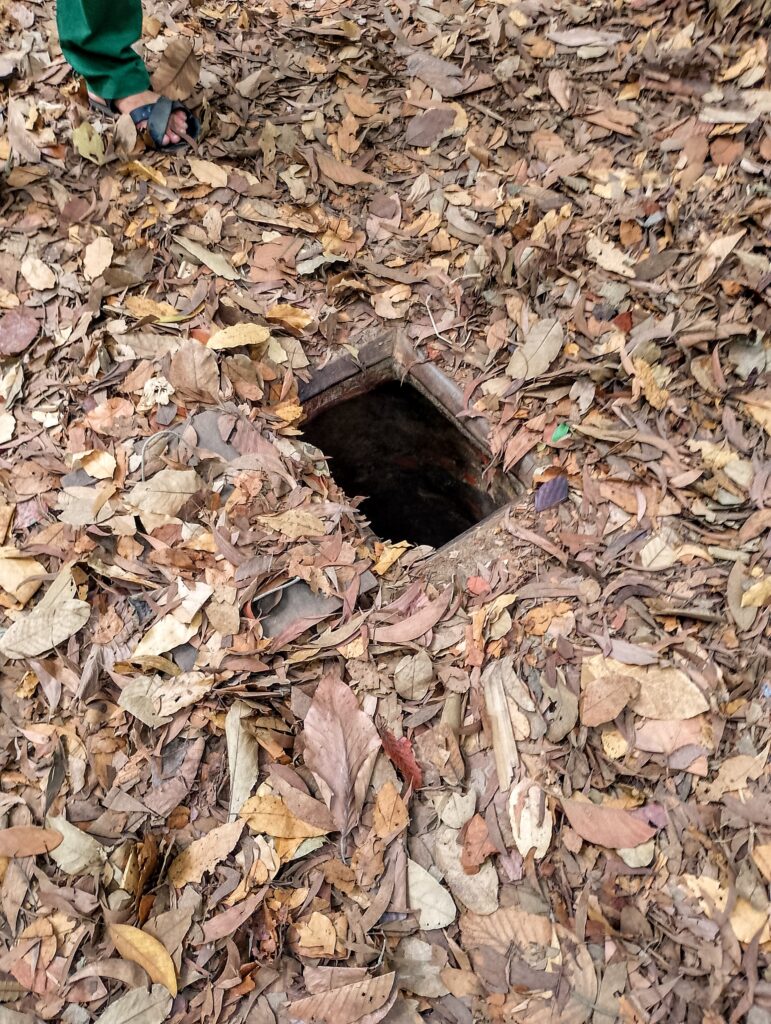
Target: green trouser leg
point(96, 37)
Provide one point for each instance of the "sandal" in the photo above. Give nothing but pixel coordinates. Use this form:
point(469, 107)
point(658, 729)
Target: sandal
point(157, 116)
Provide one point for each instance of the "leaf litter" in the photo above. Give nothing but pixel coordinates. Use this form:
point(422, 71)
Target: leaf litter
point(534, 790)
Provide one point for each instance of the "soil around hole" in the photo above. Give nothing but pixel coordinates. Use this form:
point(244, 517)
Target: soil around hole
point(420, 476)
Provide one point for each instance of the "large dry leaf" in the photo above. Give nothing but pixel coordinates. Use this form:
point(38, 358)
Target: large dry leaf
point(194, 373)
point(270, 815)
point(240, 334)
point(20, 575)
point(22, 142)
point(436, 907)
point(477, 892)
point(57, 617)
point(345, 1004)
point(28, 841)
point(243, 757)
point(143, 949)
point(342, 174)
point(390, 815)
point(37, 274)
point(612, 827)
point(18, 329)
point(506, 928)
point(177, 73)
point(341, 744)
point(204, 854)
point(97, 257)
point(164, 635)
point(295, 523)
point(155, 700)
point(542, 345)
point(604, 697)
point(141, 1006)
point(215, 261)
point(165, 493)
point(664, 692)
point(416, 625)
point(78, 852)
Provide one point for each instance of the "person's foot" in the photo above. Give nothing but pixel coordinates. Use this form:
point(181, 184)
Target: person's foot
point(177, 121)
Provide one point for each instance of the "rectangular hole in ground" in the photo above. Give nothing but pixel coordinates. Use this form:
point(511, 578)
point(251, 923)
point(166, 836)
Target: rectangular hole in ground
point(421, 477)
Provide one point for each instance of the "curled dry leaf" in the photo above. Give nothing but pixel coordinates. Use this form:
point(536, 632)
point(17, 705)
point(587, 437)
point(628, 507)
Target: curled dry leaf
point(143, 949)
point(78, 853)
point(243, 757)
point(531, 819)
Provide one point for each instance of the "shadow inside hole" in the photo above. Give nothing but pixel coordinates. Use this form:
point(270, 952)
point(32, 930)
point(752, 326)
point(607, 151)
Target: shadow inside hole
point(421, 477)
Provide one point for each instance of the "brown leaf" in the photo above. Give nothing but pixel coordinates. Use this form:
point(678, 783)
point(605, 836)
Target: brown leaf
point(477, 846)
point(28, 841)
point(342, 174)
point(417, 625)
point(18, 329)
point(204, 854)
point(612, 827)
point(177, 74)
point(390, 815)
point(604, 697)
point(346, 1003)
point(341, 744)
point(194, 373)
point(430, 127)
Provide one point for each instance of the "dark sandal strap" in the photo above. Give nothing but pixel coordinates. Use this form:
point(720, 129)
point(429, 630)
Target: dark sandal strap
point(157, 116)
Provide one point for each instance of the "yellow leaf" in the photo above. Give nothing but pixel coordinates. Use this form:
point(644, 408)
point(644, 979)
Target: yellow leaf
point(140, 306)
point(290, 316)
point(269, 814)
point(237, 335)
point(139, 170)
point(747, 921)
point(387, 555)
point(758, 595)
point(20, 576)
point(143, 949)
point(294, 524)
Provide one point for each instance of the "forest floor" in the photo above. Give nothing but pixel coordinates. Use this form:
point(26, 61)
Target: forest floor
point(535, 792)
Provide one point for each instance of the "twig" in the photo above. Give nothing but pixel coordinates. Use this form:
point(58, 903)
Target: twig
point(437, 332)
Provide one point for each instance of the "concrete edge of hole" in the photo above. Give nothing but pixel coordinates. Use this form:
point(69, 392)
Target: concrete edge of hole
point(388, 355)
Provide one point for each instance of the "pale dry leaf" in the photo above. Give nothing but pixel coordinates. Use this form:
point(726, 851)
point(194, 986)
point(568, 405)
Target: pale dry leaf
point(270, 815)
point(541, 346)
point(143, 949)
point(607, 256)
point(215, 261)
point(165, 493)
point(341, 744)
point(164, 635)
point(209, 173)
point(604, 697)
point(7, 426)
point(194, 373)
point(204, 854)
point(155, 700)
point(477, 892)
point(344, 1004)
point(22, 142)
point(78, 853)
point(56, 617)
point(140, 1006)
point(243, 757)
point(37, 274)
point(240, 334)
point(531, 819)
point(97, 257)
point(177, 73)
point(295, 524)
point(20, 575)
point(436, 907)
point(390, 815)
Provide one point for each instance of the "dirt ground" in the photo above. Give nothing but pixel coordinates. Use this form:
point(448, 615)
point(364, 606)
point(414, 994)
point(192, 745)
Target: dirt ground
point(534, 791)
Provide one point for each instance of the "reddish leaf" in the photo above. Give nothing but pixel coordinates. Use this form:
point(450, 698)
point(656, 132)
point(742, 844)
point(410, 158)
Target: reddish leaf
point(18, 329)
point(402, 756)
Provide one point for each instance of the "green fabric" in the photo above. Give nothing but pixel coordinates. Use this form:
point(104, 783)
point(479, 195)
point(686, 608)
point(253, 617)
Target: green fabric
point(96, 37)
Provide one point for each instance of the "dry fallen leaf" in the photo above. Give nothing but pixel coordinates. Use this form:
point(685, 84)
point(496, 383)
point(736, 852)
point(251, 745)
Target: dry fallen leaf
point(204, 854)
point(143, 949)
point(97, 257)
point(54, 619)
point(28, 841)
point(435, 906)
point(541, 346)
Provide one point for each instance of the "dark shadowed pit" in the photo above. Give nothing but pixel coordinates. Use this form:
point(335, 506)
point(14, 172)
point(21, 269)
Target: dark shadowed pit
point(422, 478)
